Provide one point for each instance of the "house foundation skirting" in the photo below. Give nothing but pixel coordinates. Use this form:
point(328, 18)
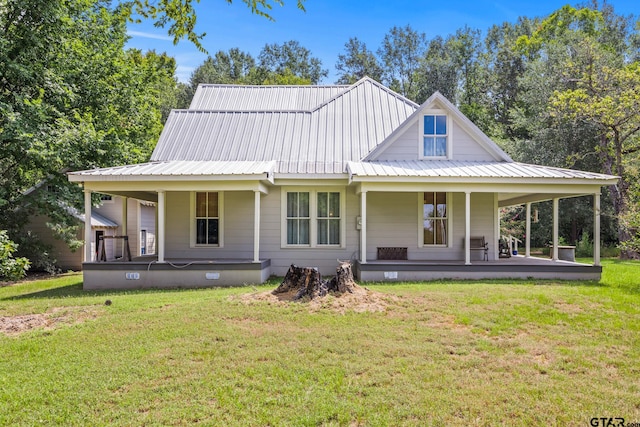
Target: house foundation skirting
point(419, 271)
point(182, 274)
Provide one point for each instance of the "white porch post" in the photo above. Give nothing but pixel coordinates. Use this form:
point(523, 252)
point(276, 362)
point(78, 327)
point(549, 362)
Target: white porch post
point(125, 214)
point(256, 227)
point(363, 227)
point(596, 229)
point(467, 228)
point(554, 256)
point(87, 226)
point(161, 225)
point(527, 237)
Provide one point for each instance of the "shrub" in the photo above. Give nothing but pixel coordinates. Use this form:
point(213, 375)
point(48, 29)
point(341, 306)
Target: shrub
point(11, 268)
point(584, 246)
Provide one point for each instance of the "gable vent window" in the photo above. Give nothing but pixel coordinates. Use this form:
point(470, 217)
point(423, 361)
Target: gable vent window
point(435, 135)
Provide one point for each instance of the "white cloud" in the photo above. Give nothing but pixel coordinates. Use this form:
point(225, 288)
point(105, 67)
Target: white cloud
point(149, 35)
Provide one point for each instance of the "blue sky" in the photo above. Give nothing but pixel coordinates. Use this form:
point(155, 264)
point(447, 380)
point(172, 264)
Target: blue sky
point(327, 25)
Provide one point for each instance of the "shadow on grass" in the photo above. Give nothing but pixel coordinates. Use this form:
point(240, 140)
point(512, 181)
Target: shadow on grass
point(75, 291)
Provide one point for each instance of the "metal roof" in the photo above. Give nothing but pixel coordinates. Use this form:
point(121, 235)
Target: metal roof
point(465, 169)
point(262, 98)
point(97, 220)
point(344, 127)
point(178, 168)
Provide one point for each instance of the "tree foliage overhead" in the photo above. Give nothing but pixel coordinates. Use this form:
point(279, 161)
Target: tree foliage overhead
point(179, 16)
point(71, 97)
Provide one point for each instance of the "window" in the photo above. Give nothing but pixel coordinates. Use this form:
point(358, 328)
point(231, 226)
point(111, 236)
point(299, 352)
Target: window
point(298, 218)
point(207, 218)
point(106, 198)
point(313, 218)
point(435, 217)
point(328, 218)
point(435, 135)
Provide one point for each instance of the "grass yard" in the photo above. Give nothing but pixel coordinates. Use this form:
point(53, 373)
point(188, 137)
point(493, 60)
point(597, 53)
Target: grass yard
point(443, 353)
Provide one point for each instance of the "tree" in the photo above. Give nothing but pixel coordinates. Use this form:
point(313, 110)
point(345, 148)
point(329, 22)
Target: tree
point(575, 70)
point(71, 97)
point(401, 52)
point(357, 62)
point(180, 15)
point(607, 97)
point(505, 66)
point(232, 67)
point(437, 72)
point(291, 58)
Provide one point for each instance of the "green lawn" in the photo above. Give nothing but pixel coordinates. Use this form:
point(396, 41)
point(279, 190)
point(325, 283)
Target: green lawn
point(443, 353)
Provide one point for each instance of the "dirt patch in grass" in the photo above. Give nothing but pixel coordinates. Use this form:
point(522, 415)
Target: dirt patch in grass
point(15, 325)
point(360, 300)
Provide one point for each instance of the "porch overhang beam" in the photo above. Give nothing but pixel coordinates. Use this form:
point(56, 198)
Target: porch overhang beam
point(141, 188)
point(537, 191)
point(484, 181)
point(138, 195)
point(536, 198)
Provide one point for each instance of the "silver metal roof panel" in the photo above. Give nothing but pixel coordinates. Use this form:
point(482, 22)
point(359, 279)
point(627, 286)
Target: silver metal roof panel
point(456, 169)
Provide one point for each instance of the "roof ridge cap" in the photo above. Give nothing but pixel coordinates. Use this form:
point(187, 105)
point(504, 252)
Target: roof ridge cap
point(365, 79)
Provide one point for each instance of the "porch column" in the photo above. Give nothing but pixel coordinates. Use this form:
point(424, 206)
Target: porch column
point(256, 227)
point(596, 229)
point(554, 255)
point(125, 213)
point(87, 226)
point(363, 227)
point(467, 228)
point(161, 225)
point(527, 237)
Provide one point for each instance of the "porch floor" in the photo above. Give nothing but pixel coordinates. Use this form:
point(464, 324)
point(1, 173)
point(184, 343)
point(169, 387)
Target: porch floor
point(516, 267)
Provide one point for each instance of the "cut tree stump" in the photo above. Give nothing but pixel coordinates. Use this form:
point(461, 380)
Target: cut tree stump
point(308, 282)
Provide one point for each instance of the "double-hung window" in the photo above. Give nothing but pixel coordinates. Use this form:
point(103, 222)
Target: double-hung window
point(435, 135)
point(328, 218)
point(313, 218)
point(298, 219)
point(435, 219)
point(207, 218)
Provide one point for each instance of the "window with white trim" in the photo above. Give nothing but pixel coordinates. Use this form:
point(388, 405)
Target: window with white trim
point(298, 218)
point(435, 135)
point(435, 219)
point(207, 218)
point(313, 218)
point(328, 218)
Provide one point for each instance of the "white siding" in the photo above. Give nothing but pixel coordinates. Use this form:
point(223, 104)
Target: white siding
point(465, 148)
point(238, 233)
point(406, 147)
point(325, 259)
point(392, 221)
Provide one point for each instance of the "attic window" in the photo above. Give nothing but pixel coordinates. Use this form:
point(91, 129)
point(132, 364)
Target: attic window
point(435, 135)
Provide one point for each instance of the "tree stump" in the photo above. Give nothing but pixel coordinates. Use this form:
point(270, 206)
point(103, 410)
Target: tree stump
point(308, 282)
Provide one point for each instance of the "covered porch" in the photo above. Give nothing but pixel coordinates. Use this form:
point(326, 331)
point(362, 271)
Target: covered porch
point(198, 265)
point(516, 267)
point(478, 190)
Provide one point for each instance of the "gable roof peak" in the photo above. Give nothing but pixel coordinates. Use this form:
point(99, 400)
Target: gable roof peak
point(474, 131)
